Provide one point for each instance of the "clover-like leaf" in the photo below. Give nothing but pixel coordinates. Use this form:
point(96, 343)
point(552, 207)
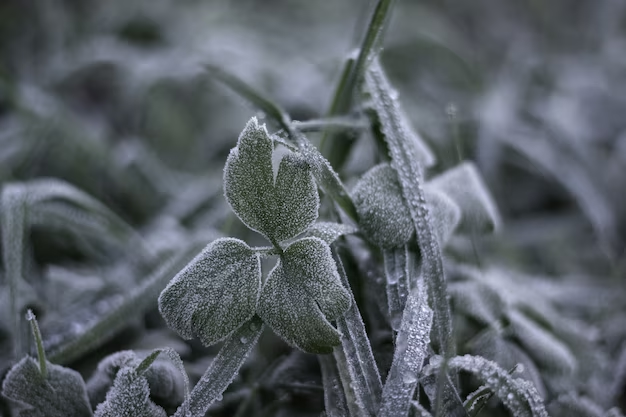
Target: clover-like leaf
point(215, 293)
point(384, 217)
point(302, 293)
point(279, 208)
point(61, 393)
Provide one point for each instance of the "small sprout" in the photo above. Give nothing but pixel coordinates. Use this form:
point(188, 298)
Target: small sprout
point(279, 208)
point(302, 293)
point(215, 293)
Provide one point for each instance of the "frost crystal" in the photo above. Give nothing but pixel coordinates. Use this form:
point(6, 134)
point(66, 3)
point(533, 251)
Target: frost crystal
point(279, 209)
point(129, 397)
point(215, 293)
point(302, 293)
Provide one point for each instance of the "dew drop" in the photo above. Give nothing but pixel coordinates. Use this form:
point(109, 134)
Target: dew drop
point(243, 339)
point(409, 377)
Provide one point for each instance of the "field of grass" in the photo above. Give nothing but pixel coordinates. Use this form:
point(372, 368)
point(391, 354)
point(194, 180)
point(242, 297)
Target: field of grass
point(334, 208)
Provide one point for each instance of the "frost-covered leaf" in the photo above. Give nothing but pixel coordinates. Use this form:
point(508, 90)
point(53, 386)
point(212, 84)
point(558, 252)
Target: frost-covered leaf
point(278, 208)
point(61, 394)
point(215, 293)
point(129, 397)
point(384, 217)
point(464, 185)
point(548, 351)
point(518, 395)
point(328, 231)
point(477, 300)
point(302, 293)
point(167, 379)
point(396, 282)
point(446, 214)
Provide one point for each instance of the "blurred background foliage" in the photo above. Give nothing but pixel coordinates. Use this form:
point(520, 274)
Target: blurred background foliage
point(113, 98)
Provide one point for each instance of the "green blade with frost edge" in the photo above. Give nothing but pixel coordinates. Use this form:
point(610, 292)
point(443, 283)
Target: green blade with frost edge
point(518, 395)
point(405, 160)
point(223, 369)
point(337, 146)
point(335, 403)
point(361, 365)
point(412, 344)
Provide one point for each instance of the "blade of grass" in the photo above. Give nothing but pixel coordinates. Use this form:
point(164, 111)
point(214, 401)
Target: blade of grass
point(365, 379)
point(335, 403)
point(412, 345)
point(223, 369)
point(337, 146)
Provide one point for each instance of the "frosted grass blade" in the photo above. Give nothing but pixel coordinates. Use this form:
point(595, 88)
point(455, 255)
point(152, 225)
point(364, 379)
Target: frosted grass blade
point(223, 369)
point(412, 345)
point(335, 403)
point(361, 364)
point(518, 395)
point(405, 159)
point(397, 283)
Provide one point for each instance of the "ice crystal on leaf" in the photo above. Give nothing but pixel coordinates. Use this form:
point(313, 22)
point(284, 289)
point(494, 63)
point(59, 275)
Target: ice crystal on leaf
point(215, 293)
point(278, 208)
point(302, 293)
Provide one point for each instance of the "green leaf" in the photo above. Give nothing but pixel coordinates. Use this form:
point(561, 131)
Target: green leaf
point(383, 215)
point(464, 185)
point(279, 209)
point(215, 293)
point(329, 231)
point(61, 394)
point(129, 397)
point(302, 293)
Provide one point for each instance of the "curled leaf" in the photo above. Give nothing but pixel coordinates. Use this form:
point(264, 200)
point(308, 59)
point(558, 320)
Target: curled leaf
point(278, 208)
point(384, 217)
point(465, 186)
point(215, 293)
point(61, 393)
point(302, 293)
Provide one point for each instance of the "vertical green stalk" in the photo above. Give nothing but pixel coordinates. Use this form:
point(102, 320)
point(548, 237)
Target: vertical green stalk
point(13, 222)
point(337, 146)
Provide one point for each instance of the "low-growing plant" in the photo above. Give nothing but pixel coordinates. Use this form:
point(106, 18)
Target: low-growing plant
point(374, 290)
